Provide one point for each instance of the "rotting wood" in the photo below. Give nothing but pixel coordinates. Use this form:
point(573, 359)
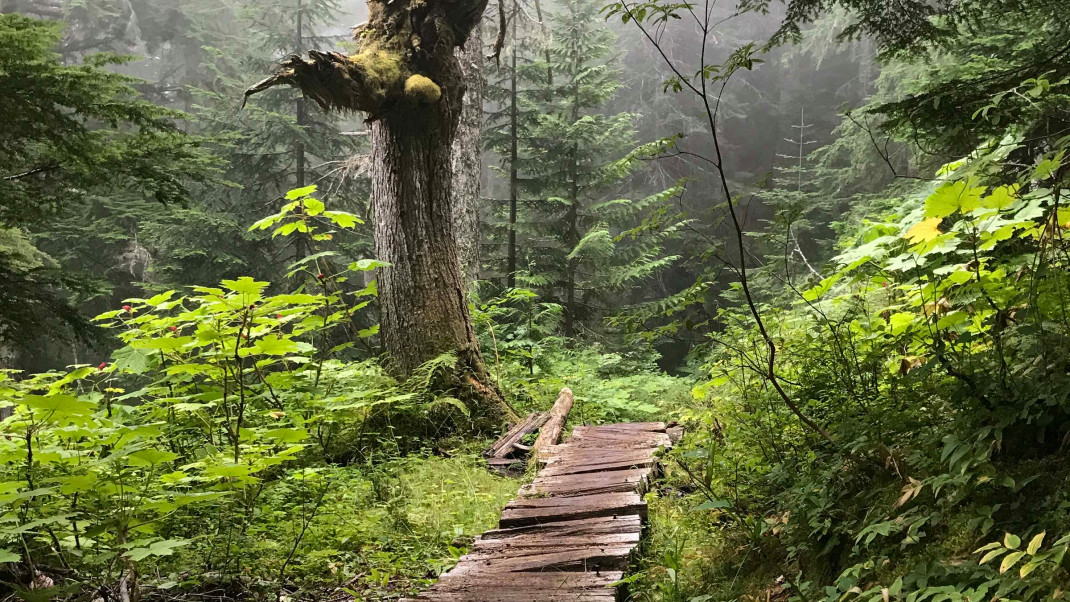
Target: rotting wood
point(522, 511)
point(615, 481)
point(551, 431)
point(571, 533)
point(675, 433)
point(608, 524)
point(508, 443)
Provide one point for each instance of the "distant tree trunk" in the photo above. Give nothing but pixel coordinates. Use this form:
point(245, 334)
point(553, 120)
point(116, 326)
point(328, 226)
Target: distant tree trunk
point(299, 146)
point(572, 235)
point(572, 239)
point(514, 179)
point(300, 251)
point(406, 77)
point(467, 158)
point(49, 9)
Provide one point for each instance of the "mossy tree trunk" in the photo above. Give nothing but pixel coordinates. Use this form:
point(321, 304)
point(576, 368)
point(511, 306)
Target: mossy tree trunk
point(406, 77)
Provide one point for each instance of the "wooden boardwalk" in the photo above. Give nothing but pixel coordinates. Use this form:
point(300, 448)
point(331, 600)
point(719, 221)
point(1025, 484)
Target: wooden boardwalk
point(571, 532)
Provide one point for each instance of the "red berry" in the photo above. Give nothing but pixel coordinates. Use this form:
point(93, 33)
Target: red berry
point(102, 365)
point(278, 315)
point(126, 308)
point(321, 276)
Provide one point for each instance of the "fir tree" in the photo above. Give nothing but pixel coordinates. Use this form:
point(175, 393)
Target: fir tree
point(70, 134)
point(573, 235)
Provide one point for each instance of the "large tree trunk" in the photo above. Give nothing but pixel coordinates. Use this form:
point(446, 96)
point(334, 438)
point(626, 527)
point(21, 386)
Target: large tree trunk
point(422, 293)
point(407, 79)
point(467, 158)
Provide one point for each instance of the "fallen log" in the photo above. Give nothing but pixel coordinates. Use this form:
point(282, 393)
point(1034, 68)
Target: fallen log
point(551, 431)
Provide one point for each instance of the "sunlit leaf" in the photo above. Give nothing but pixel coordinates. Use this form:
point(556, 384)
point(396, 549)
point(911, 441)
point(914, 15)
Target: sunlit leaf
point(301, 192)
point(245, 285)
point(924, 231)
point(1009, 561)
point(1035, 543)
point(150, 457)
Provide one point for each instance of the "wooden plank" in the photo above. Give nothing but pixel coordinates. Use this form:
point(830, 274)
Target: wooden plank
point(577, 453)
point(572, 531)
point(675, 433)
point(627, 427)
point(568, 468)
point(500, 594)
point(617, 481)
point(600, 525)
point(608, 557)
point(551, 431)
point(617, 436)
point(506, 445)
point(549, 552)
point(619, 441)
point(527, 511)
point(524, 544)
point(542, 580)
point(574, 461)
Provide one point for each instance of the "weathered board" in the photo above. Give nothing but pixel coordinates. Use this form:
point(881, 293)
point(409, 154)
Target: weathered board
point(569, 535)
point(500, 453)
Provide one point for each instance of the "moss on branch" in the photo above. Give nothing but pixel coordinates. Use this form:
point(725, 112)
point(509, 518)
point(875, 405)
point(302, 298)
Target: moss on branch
point(420, 89)
point(404, 59)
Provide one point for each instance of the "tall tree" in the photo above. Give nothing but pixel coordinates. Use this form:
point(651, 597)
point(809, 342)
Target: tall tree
point(405, 76)
point(569, 147)
point(503, 120)
point(71, 134)
point(581, 246)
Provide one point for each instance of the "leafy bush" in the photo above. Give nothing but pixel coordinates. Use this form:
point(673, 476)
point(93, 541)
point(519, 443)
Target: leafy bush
point(533, 363)
point(218, 448)
point(936, 354)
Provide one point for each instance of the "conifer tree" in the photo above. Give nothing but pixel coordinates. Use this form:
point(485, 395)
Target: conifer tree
point(574, 235)
point(505, 112)
point(70, 135)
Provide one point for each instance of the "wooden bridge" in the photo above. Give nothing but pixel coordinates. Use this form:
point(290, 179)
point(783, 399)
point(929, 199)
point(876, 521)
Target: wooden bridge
point(568, 535)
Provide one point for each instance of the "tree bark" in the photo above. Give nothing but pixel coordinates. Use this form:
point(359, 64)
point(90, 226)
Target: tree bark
point(514, 178)
point(406, 77)
point(572, 239)
point(551, 431)
point(467, 158)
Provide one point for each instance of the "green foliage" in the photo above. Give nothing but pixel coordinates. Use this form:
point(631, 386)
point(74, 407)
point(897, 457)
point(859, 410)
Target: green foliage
point(106, 148)
point(213, 447)
point(53, 150)
point(935, 353)
point(591, 251)
point(532, 363)
point(70, 134)
point(932, 347)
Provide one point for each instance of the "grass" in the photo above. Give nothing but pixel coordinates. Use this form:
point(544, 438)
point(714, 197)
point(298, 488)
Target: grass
point(379, 532)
